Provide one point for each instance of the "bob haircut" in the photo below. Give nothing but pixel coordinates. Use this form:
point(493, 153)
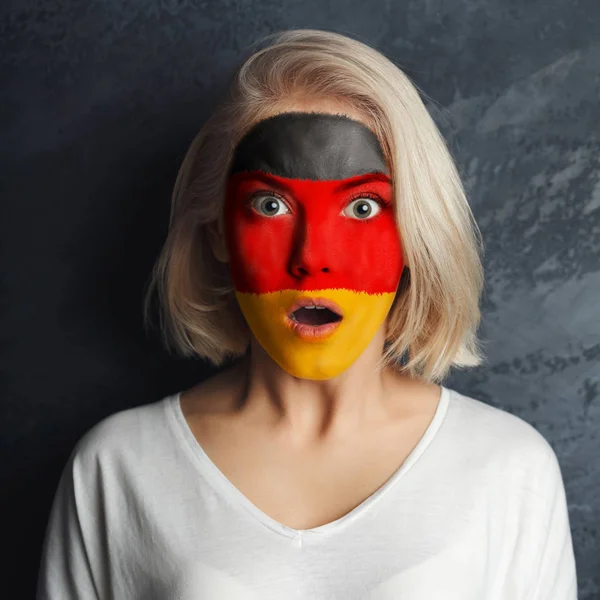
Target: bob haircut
point(432, 323)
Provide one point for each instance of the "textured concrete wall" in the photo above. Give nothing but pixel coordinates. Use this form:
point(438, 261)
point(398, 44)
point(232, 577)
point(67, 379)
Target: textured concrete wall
point(98, 103)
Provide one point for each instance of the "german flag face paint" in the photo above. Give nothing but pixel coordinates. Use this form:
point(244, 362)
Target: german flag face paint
point(315, 255)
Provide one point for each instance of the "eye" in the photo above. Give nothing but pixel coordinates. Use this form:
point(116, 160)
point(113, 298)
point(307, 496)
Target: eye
point(269, 205)
point(362, 208)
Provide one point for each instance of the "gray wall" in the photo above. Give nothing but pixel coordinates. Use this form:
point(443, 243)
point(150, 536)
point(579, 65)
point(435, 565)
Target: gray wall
point(98, 103)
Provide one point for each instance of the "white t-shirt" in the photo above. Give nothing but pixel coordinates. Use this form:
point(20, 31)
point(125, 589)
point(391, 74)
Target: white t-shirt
point(476, 512)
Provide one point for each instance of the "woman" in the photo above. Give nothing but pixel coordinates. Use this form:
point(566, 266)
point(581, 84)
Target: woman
point(319, 233)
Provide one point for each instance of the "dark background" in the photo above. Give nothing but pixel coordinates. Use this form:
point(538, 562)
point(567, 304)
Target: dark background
point(98, 103)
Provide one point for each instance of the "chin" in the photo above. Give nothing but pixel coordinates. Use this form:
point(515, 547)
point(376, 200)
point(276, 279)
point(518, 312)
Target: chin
point(309, 365)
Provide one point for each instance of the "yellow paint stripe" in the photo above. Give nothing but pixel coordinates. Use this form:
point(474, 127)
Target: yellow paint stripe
point(363, 313)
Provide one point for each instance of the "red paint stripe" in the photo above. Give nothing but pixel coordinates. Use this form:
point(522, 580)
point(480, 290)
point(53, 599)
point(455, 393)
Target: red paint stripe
point(314, 246)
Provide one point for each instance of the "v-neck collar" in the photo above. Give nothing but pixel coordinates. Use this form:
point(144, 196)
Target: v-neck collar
point(223, 485)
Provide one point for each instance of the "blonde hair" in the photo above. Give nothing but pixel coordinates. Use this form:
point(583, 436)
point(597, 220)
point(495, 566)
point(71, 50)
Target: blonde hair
point(435, 315)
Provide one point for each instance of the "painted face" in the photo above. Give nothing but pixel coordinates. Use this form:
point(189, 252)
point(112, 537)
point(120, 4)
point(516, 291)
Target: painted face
point(315, 255)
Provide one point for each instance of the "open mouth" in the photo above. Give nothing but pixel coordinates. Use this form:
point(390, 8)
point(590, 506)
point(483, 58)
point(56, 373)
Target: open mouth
point(313, 318)
point(315, 315)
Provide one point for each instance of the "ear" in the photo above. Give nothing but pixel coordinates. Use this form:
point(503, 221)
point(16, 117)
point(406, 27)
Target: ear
point(217, 242)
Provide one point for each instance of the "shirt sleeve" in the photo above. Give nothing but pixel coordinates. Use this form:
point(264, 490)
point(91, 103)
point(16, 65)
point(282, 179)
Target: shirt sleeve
point(554, 570)
point(66, 568)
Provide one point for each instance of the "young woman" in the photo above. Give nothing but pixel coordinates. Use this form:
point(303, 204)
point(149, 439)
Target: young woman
point(319, 233)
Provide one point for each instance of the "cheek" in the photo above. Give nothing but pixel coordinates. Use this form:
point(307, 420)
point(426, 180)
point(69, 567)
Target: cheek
point(258, 247)
point(370, 253)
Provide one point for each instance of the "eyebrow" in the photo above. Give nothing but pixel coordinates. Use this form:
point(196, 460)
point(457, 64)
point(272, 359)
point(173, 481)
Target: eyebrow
point(267, 179)
point(361, 180)
point(344, 186)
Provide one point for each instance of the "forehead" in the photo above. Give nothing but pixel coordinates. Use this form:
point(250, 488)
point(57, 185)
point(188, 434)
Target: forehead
point(314, 146)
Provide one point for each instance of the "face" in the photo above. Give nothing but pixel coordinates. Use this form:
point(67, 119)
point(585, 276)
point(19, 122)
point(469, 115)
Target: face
point(314, 251)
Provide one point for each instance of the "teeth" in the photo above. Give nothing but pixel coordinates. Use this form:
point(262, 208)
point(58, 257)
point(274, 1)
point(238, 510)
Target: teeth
point(309, 307)
point(312, 307)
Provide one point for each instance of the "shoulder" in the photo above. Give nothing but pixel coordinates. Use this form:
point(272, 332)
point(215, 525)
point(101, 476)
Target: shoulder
point(497, 435)
point(129, 432)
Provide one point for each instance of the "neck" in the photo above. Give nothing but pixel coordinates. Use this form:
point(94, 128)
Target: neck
point(307, 412)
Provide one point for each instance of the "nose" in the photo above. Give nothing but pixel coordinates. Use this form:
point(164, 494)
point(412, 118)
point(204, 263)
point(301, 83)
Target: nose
point(310, 255)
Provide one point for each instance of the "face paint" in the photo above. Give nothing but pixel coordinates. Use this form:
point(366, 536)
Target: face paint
point(315, 255)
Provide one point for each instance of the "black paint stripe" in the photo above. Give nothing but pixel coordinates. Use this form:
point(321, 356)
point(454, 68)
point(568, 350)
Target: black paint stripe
point(316, 146)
